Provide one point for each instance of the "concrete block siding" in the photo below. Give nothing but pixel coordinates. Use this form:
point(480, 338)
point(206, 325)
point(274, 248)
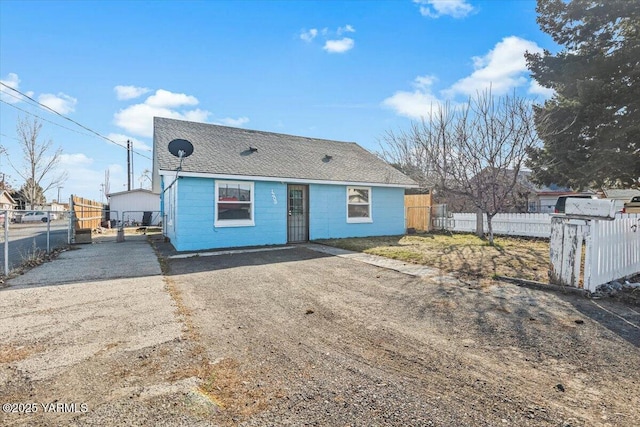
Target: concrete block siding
point(328, 213)
point(194, 222)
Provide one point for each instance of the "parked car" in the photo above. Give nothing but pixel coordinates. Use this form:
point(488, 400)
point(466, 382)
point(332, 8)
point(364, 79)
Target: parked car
point(562, 201)
point(37, 216)
point(632, 206)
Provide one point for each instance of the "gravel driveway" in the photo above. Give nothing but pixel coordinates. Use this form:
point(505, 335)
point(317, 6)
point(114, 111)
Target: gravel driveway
point(295, 337)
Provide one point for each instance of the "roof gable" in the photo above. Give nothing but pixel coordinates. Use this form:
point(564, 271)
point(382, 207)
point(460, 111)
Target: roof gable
point(5, 197)
point(225, 150)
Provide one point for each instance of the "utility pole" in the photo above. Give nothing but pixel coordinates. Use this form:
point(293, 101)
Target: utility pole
point(128, 165)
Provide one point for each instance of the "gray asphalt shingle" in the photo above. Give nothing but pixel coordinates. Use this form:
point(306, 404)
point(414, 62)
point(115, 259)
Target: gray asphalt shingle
point(225, 150)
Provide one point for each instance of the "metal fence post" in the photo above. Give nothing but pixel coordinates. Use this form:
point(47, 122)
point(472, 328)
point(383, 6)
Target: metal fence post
point(48, 231)
point(6, 243)
point(71, 215)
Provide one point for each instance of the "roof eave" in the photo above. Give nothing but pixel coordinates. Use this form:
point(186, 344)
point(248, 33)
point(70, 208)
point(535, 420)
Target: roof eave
point(172, 173)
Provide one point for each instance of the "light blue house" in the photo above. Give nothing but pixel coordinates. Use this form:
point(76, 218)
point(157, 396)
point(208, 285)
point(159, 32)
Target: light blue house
point(249, 188)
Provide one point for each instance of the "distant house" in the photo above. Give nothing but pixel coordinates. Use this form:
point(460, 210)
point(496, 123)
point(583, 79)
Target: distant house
point(6, 201)
point(130, 207)
point(54, 206)
point(249, 188)
point(544, 198)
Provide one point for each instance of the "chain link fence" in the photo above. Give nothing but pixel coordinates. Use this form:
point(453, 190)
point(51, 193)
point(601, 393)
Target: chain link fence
point(28, 235)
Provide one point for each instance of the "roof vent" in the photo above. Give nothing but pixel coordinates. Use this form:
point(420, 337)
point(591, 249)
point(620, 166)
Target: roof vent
point(253, 149)
point(326, 158)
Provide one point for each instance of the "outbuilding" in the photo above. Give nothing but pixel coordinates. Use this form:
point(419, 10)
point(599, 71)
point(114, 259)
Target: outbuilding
point(244, 187)
point(135, 207)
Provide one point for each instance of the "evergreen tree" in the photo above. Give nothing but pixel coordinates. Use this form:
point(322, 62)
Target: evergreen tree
point(33, 193)
point(590, 128)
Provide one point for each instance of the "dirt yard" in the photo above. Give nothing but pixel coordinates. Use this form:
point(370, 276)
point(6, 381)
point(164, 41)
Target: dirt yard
point(461, 254)
point(294, 337)
point(298, 337)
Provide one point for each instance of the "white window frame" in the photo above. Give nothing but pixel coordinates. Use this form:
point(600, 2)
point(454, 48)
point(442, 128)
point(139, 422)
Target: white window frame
point(359, 219)
point(234, 222)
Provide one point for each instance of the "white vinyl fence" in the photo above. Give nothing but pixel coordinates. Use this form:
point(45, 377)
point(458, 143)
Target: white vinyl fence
point(613, 250)
point(524, 224)
point(612, 247)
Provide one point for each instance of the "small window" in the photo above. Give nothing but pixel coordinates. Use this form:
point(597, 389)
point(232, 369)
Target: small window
point(359, 204)
point(234, 204)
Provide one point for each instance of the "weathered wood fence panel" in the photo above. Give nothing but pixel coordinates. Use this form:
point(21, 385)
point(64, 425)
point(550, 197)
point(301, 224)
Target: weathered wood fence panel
point(418, 211)
point(565, 251)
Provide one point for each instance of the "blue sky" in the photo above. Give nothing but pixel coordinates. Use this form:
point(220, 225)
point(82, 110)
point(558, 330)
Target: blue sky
point(348, 71)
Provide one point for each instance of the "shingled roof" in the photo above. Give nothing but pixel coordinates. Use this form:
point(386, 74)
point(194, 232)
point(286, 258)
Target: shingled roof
point(223, 150)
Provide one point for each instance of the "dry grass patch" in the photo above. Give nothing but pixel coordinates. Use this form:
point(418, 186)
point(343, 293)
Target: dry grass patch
point(460, 254)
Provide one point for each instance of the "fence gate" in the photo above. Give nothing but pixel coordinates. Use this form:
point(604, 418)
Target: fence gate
point(418, 211)
point(612, 249)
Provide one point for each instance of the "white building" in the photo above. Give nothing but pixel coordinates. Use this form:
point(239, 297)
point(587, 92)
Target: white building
point(130, 207)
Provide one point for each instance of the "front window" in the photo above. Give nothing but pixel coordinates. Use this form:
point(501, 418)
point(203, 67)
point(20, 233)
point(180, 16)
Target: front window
point(359, 204)
point(234, 204)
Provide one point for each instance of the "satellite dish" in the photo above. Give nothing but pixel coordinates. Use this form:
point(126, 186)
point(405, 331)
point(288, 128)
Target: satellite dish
point(181, 148)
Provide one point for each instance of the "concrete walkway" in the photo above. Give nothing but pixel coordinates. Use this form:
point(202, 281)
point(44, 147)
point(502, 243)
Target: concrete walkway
point(438, 276)
point(76, 329)
point(102, 260)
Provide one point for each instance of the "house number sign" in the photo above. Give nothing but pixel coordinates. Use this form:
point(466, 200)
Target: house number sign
point(273, 196)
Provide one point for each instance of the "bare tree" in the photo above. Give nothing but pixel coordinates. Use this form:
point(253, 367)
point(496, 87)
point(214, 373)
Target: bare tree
point(145, 177)
point(475, 151)
point(39, 164)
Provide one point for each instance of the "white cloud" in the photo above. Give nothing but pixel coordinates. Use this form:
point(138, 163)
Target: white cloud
point(129, 92)
point(339, 46)
point(503, 68)
point(228, 121)
point(122, 140)
point(13, 81)
point(61, 102)
point(308, 36)
point(331, 43)
point(9, 96)
point(137, 119)
point(417, 103)
point(437, 8)
point(76, 160)
point(346, 29)
point(165, 99)
point(536, 89)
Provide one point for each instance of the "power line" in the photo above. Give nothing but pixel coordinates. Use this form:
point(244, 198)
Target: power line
point(10, 137)
point(69, 119)
point(46, 120)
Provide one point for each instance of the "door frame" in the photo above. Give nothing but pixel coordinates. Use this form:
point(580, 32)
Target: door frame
point(305, 201)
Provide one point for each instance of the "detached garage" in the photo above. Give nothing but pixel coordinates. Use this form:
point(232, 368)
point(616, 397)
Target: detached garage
point(135, 207)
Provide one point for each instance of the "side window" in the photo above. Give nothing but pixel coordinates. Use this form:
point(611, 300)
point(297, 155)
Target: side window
point(359, 204)
point(234, 204)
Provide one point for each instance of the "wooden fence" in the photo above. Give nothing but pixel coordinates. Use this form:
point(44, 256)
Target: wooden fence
point(86, 214)
point(418, 211)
